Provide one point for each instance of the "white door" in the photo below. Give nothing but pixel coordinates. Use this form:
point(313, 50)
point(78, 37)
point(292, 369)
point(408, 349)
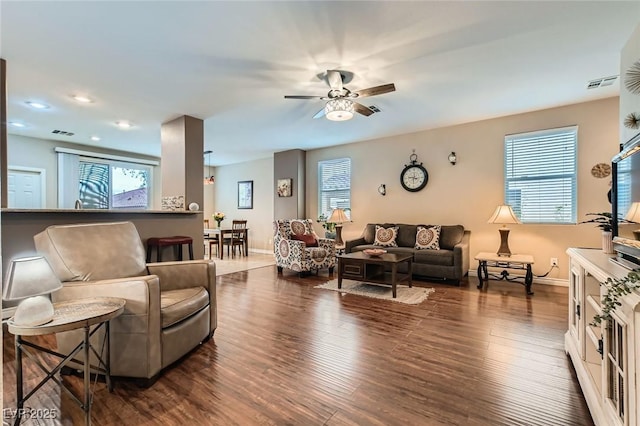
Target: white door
point(25, 189)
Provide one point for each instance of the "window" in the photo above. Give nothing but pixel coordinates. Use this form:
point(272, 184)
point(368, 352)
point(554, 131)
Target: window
point(334, 186)
point(103, 183)
point(540, 175)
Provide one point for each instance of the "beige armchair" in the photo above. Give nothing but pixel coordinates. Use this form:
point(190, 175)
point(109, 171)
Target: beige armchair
point(170, 306)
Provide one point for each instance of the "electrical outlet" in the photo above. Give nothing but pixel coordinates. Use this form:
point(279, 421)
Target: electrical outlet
point(554, 262)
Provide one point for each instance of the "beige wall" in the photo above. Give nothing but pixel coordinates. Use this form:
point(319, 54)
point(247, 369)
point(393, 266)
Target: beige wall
point(629, 102)
point(468, 192)
point(260, 218)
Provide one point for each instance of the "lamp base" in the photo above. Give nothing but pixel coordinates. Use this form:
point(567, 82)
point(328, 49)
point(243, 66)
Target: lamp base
point(33, 311)
point(339, 241)
point(504, 243)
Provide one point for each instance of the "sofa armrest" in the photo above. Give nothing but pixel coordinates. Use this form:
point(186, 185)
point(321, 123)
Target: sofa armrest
point(461, 256)
point(348, 245)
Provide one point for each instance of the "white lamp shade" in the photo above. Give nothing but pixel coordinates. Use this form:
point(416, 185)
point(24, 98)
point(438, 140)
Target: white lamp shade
point(338, 216)
point(339, 109)
point(633, 215)
point(30, 276)
point(503, 215)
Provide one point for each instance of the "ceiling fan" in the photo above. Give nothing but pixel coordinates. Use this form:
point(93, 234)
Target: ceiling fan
point(341, 101)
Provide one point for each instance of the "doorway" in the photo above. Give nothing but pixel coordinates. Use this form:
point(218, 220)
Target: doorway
point(26, 187)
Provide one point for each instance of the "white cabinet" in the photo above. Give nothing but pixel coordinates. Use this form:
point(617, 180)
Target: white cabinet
point(605, 357)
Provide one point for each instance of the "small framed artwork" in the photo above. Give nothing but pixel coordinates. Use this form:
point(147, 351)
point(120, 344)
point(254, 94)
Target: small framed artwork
point(245, 194)
point(284, 187)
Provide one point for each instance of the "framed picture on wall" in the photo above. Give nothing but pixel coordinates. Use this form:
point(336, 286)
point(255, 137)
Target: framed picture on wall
point(284, 187)
point(245, 194)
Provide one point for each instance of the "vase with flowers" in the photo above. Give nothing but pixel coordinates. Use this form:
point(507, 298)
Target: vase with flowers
point(218, 217)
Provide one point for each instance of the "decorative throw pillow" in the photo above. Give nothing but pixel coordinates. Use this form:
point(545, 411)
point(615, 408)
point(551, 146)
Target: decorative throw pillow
point(308, 239)
point(386, 237)
point(428, 237)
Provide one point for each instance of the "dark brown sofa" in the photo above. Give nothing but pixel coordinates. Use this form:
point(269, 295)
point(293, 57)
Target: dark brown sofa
point(451, 262)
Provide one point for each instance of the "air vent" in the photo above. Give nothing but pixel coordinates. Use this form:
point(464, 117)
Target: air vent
point(374, 108)
point(62, 133)
point(602, 82)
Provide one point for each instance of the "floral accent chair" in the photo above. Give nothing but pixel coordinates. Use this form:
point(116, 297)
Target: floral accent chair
point(298, 248)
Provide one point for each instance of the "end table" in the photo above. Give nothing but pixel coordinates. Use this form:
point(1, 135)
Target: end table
point(70, 315)
point(515, 261)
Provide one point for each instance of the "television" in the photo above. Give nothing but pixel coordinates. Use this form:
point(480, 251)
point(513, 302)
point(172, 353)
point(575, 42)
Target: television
point(625, 190)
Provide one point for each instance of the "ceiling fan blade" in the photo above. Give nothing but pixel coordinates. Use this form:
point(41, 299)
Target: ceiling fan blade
point(378, 90)
point(319, 114)
point(359, 108)
point(334, 79)
point(302, 97)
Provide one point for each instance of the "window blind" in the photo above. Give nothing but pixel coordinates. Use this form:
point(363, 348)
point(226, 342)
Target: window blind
point(334, 186)
point(540, 175)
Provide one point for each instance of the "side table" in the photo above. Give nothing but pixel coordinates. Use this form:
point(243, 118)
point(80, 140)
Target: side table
point(70, 315)
point(514, 262)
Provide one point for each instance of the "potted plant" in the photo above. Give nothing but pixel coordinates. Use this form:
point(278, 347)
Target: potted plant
point(604, 221)
point(616, 288)
point(329, 227)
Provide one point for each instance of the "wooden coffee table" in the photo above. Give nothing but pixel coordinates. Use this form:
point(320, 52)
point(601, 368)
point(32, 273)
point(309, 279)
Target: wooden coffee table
point(372, 269)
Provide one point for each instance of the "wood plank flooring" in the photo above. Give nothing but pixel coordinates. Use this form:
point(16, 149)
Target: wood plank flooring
point(286, 353)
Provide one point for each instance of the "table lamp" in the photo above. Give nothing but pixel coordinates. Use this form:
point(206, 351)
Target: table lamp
point(31, 279)
point(633, 215)
point(338, 217)
point(504, 215)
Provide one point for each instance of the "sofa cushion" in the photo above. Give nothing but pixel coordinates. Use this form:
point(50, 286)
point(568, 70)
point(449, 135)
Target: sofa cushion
point(308, 239)
point(450, 235)
point(427, 237)
point(406, 235)
point(369, 233)
point(316, 253)
point(386, 237)
point(177, 305)
point(434, 257)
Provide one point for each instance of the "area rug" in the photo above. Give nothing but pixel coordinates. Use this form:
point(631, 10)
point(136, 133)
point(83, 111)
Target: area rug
point(405, 294)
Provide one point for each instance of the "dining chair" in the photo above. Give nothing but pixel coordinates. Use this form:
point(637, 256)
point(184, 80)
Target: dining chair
point(238, 237)
point(211, 240)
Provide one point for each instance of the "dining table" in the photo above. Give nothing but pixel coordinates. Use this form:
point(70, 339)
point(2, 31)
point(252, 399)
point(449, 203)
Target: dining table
point(221, 233)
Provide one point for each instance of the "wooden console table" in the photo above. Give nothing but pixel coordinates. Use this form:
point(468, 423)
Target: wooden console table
point(71, 315)
point(514, 262)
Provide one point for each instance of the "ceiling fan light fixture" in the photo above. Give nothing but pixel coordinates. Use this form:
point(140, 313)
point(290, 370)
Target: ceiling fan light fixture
point(339, 109)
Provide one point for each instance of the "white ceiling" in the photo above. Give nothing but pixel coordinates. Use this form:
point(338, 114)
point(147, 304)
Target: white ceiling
point(231, 63)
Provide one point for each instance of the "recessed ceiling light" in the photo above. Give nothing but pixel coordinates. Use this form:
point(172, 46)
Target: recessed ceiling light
point(95, 138)
point(83, 99)
point(37, 105)
point(123, 124)
point(17, 124)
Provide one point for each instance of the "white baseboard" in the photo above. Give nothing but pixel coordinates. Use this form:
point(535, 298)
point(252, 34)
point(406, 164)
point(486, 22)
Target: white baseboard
point(536, 280)
point(261, 251)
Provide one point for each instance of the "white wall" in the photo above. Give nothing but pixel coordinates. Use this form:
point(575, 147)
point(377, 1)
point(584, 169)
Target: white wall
point(468, 192)
point(260, 218)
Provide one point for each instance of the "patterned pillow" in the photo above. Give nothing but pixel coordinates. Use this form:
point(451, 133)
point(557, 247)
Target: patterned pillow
point(428, 237)
point(386, 237)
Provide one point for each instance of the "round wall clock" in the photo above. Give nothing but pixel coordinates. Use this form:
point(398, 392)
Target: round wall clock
point(414, 176)
point(601, 170)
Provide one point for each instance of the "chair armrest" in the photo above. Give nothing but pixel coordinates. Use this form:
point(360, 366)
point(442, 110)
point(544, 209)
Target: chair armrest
point(185, 274)
point(348, 245)
point(327, 244)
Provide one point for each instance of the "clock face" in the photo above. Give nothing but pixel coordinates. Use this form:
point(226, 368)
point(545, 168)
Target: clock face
point(414, 177)
point(601, 170)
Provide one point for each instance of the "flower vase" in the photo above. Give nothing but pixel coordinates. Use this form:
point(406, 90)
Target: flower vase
point(218, 222)
point(607, 242)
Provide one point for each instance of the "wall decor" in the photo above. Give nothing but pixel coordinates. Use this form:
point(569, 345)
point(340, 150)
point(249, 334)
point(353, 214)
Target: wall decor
point(382, 189)
point(632, 78)
point(632, 120)
point(601, 170)
point(414, 176)
point(285, 187)
point(173, 203)
point(245, 194)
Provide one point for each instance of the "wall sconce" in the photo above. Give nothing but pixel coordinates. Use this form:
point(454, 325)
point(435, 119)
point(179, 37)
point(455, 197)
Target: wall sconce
point(382, 189)
point(452, 158)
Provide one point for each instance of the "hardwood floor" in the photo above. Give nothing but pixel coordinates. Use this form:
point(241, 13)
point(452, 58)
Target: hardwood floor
point(286, 353)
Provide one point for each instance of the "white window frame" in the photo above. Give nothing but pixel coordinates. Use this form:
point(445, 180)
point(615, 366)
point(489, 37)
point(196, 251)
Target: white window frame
point(321, 191)
point(518, 159)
